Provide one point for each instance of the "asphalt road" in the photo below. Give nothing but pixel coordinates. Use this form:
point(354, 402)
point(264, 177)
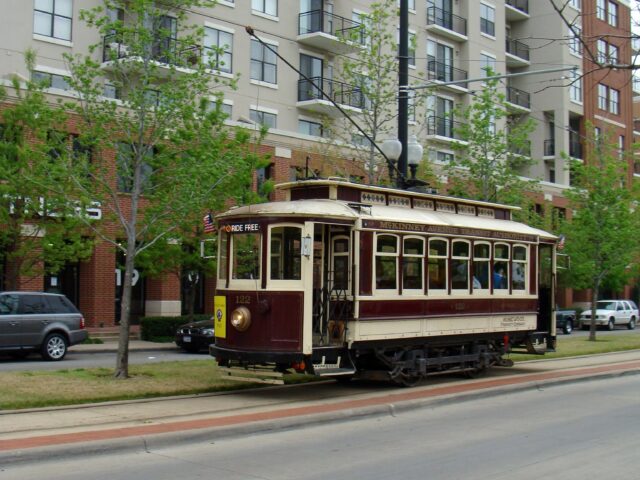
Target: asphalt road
point(96, 359)
point(586, 430)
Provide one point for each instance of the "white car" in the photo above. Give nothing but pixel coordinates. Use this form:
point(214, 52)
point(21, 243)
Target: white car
point(610, 313)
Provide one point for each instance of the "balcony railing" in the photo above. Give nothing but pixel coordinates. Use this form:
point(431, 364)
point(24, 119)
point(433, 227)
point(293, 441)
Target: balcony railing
point(443, 72)
point(575, 145)
point(444, 19)
point(549, 148)
point(517, 48)
point(319, 21)
point(170, 51)
point(340, 92)
point(443, 127)
point(522, 5)
point(518, 97)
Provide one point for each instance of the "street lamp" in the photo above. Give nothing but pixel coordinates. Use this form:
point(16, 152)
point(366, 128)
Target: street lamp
point(392, 148)
point(414, 156)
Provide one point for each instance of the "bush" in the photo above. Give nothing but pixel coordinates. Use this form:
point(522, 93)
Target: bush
point(154, 329)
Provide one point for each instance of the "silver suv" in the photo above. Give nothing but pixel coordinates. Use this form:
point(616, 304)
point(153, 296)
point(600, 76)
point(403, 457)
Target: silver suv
point(31, 321)
point(610, 313)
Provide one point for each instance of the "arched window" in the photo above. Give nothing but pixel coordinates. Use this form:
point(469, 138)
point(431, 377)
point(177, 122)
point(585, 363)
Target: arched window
point(460, 250)
point(438, 261)
point(386, 262)
point(501, 266)
point(481, 259)
point(519, 268)
point(412, 261)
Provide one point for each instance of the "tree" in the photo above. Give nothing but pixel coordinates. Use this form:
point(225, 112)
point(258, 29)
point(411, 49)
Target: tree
point(489, 159)
point(601, 236)
point(174, 158)
point(40, 230)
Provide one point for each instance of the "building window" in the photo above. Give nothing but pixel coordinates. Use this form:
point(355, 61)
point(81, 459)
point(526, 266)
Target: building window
point(577, 4)
point(487, 20)
point(51, 80)
point(601, 55)
point(268, 7)
point(614, 101)
point(264, 66)
point(613, 14)
point(438, 261)
point(412, 4)
point(621, 147)
point(602, 97)
point(125, 167)
point(386, 262)
point(310, 128)
point(52, 18)
point(267, 119)
point(575, 88)
point(575, 46)
point(218, 49)
point(601, 9)
point(411, 49)
point(412, 261)
point(613, 54)
point(487, 64)
point(111, 91)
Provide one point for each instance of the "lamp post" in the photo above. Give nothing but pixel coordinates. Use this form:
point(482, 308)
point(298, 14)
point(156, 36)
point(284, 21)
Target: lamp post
point(393, 150)
point(403, 93)
point(414, 156)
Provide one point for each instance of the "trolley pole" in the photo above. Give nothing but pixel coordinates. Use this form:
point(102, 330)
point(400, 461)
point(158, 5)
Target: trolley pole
point(403, 93)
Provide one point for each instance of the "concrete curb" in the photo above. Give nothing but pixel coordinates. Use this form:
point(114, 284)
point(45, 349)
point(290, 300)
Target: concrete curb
point(146, 442)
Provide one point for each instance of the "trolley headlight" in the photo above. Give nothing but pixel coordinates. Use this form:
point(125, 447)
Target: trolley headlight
point(241, 318)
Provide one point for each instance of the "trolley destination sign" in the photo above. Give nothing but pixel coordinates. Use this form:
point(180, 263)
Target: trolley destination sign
point(446, 230)
point(242, 227)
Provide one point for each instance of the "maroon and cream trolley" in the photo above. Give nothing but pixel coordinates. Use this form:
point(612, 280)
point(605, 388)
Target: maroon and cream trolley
point(343, 279)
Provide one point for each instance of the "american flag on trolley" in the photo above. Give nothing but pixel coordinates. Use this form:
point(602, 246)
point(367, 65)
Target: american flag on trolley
point(209, 226)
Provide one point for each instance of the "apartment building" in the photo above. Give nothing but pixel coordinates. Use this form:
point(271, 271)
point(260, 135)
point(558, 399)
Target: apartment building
point(455, 40)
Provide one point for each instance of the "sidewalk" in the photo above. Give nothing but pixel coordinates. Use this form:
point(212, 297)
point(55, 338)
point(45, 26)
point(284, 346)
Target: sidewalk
point(139, 425)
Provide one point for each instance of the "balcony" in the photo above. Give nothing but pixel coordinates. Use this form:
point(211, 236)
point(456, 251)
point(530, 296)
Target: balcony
point(446, 24)
point(329, 32)
point(550, 148)
point(575, 146)
point(517, 53)
point(310, 98)
point(442, 72)
point(516, 10)
point(523, 149)
point(165, 51)
point(443, 129)
point(518, 100)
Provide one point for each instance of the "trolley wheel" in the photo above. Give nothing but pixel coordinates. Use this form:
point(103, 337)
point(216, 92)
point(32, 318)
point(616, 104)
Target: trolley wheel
point(406, 380)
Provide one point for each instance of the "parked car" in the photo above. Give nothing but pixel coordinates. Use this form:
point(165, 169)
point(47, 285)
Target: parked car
point(610, 313)
point(195, 336)
point(32, 321)
point(565, 319)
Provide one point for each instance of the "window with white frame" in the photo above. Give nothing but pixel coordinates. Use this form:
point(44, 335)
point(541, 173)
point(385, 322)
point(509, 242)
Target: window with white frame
point(487, 63)
point(308, 127)
point(601, 54)
point(575, 88)
point(603, 99)
point(264, 118)
point(621, 146)
point(412, 4)
point(268, 7)
point(481, 259)
point(612, 14)
point(53, 18)
point(577, 4)
point(460, 263)
point(519, 268)
point(386, 274)
point(264, 63)
point(601, 9)
point(438, 264)
point(501, 253)
point(218, 49)
point(412, 263)
point(51, 80)
point(411, 53)
point(575, 46)
point(487, 19)
point(364, 21)
point(613, 56)
point(614, 101)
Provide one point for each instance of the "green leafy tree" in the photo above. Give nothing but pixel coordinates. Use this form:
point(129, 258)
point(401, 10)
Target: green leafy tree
point(40, 231)
point(175, 160)
point(601, 236)
point(489, 160)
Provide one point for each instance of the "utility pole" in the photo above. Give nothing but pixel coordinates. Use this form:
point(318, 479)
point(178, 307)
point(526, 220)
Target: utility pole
point(403, 93)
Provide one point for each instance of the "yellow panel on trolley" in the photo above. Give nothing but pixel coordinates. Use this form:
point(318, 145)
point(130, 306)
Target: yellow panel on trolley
point(220, 316)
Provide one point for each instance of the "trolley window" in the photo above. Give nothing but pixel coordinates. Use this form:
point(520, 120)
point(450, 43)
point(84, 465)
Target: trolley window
point(460, 250)
point(340, 263)
point(500, 266)
point(286, 259)
point(245, 256)
point(412, 260)
point(481, 259)
point(386, 262)
point(519, 268)
point(438, 258)
point(222, 262)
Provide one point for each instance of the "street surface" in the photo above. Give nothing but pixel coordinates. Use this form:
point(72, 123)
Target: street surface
point(586, 430)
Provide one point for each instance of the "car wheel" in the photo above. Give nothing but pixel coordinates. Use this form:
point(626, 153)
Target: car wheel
point(632, 324)
point(568, 327)
point(611, 325)
point(54, 347)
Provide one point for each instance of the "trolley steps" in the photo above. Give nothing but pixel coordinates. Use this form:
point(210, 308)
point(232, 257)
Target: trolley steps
point(256, 374)
point(332, 362)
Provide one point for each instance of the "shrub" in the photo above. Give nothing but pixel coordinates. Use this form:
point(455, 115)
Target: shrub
point(154, 329)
